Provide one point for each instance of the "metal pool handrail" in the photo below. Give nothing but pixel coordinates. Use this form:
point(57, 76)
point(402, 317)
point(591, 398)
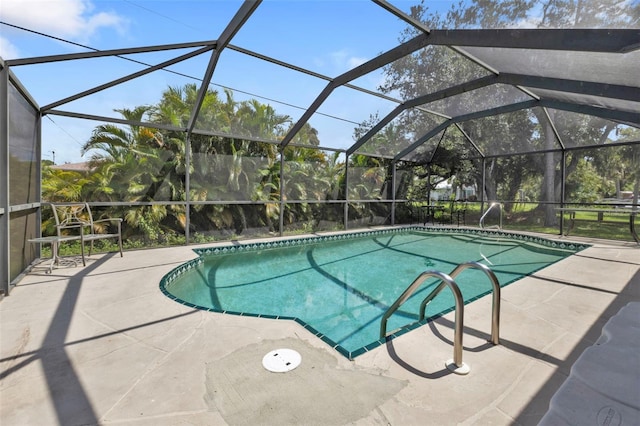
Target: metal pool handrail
point(458, 366)
point(495, 310)
point(481, 223)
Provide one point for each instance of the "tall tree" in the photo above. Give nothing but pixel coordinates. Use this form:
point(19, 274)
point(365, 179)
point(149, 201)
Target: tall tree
point(434, 68)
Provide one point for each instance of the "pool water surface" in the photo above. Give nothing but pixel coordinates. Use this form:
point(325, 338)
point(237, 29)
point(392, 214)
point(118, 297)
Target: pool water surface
point(340, 287)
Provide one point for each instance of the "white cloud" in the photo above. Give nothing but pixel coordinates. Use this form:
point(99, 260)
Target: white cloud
point(354, 61)
point(343, 61)
point(62, 18)
point(7, 50)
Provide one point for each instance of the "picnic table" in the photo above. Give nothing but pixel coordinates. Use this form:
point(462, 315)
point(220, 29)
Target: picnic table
point(571, 211)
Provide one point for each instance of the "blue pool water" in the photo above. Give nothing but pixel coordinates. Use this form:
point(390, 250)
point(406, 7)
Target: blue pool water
point(340, 287)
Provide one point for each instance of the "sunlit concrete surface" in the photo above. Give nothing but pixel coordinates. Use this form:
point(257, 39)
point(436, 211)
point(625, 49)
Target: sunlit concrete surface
point(102, 345)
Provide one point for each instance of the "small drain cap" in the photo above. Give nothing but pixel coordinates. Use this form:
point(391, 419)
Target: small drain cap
point(281, 360)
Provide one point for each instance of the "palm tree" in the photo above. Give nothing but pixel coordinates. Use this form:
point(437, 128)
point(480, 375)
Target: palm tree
point(63, 185)
point(136, 164)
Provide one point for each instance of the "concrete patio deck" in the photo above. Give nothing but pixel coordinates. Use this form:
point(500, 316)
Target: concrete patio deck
point(102, 345)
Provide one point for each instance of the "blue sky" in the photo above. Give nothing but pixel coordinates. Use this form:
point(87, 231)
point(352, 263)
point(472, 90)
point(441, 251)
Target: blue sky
point(325, 36)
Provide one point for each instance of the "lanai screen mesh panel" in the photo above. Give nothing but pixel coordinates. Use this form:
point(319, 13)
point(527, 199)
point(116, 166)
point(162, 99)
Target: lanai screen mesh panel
point(344, 115)
point(270, 100)
point(222, 221)
point(406, 128)
point(23, 187)
point(229, 170)
point(613, 68)
point(450, 148)
point(368, 182)
point(502, 184)
point(516, 132)
point(429, 70)
point(23, 149)
point(577, 130)
point(308, 177)
point(356, 106)
point(589, 100)
point(327, 131)
point(106, 87)
point(478, 100)
point(424, 153)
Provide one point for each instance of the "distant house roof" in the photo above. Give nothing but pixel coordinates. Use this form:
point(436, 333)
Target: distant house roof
point(73, 167)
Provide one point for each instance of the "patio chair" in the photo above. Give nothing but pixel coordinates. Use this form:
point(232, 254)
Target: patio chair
point(457, 212)
point(75, 222)
point(101, 225)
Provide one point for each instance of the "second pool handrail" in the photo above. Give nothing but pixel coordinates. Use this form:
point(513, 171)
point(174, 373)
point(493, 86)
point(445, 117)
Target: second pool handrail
point(495, 310)
point(481, 222)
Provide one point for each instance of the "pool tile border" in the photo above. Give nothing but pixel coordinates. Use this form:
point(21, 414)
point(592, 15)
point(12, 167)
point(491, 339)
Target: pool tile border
point(170, 277)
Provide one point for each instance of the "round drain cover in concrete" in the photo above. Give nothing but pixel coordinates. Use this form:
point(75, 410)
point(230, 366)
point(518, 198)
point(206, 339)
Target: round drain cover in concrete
point(281, 360)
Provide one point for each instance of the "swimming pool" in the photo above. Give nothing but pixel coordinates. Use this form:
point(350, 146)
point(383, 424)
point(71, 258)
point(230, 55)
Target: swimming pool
point(340, 286)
